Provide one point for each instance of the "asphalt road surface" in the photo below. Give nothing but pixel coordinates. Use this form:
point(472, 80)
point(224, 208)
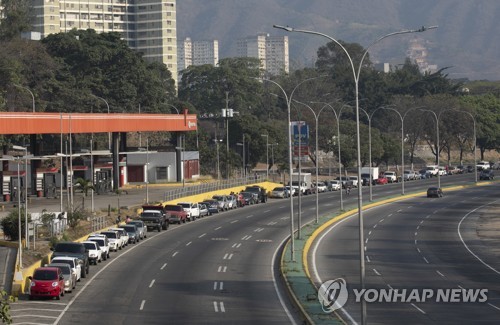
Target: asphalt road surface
point(219, 269)
point(420, 243)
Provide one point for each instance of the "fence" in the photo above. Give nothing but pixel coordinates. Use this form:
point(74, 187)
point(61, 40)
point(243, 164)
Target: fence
point(209, 187)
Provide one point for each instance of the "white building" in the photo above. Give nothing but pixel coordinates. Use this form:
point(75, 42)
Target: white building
point(271, 51)
point(197, 53)
point(148, 26)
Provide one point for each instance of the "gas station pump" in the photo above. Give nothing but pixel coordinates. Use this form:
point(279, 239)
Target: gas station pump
point(103, 182)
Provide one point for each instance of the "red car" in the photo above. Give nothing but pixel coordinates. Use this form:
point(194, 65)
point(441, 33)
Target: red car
point(382, 180)
point(47, 282)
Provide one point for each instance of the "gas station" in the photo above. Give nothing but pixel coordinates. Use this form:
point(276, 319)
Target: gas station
point(107, 175)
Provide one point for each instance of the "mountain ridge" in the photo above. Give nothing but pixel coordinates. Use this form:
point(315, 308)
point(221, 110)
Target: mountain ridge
point(464, 40)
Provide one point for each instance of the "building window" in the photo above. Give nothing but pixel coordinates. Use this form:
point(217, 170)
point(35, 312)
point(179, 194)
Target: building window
point(161, 173)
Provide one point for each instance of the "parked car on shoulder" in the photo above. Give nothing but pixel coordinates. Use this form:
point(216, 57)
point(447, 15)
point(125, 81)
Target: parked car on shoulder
point(95, 253)
point(47, 282)
point(483, 165)
point(381, 180)
point(76, 267)
point(250, 198)
point(231, 202)
point(344, 180)
point(141, 228)
point(434, 192)
point(203, 209)
point(240, 200)
point(409, 175)
point(279, 192)
point(124, 237)
point(114, 239)
point(176, 213)
point(291, 190)
point(73, 249)
point(69, 276)
point(213, 205)
point(192, 209)
point(260, 191)
point(320, 186)
point(391, 176)
point(133, 233)
point(155, 217)
point(104, 244)
point(223, 204)
point(487, 174)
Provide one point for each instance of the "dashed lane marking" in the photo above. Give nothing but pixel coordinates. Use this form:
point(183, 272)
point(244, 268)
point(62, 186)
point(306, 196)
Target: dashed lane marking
point(173, 255)
point(420, 310)
point(163, 266)
point(202, 235)
point(189, 243)
point(142, 305)
point(376, 272)
point(152, 283)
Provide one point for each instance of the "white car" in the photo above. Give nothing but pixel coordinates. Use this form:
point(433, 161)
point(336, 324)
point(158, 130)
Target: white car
point(391, 176)
point(321, 187)
point(76, 268)
point(483, 165)
point(279, 192)
point(431, 170)
point(291, 190)
point(115, 243)
point(104, 245)
point(123, 235)
point(192, 210)
point(409, 175)
point(354, 180)
point(335, 185)
point(95, 253)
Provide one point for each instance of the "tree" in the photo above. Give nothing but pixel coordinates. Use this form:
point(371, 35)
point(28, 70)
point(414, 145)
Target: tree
point(5, 301)
point(10, 224)
point(15, 18)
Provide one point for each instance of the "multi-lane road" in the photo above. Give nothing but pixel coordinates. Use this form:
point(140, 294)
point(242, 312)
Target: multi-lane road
point(219, 269)
point(423, 244)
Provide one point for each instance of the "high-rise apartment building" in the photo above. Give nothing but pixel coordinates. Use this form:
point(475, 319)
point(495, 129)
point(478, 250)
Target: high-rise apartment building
point(197, 53)
point(271, 51)
point(148, 26)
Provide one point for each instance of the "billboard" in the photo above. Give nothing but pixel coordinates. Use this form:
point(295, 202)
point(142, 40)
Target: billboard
point(300, 140)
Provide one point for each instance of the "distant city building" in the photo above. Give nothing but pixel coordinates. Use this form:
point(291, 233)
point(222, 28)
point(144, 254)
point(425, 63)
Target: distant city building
point(197, 53)
point(148, 26)
point(271, 51)
point(417, 52)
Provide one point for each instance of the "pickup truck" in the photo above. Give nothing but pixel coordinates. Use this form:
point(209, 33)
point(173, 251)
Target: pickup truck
point(177, 213)
point(260, 191)
point(155, 217)
point(73, 249)
point(192, 210)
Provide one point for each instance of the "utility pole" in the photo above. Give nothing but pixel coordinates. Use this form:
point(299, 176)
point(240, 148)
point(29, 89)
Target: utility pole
point(226, 115)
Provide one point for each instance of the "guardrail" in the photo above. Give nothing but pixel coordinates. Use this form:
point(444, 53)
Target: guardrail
point(209, 187)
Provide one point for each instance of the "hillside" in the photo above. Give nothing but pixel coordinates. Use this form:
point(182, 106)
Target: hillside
point(465, 39)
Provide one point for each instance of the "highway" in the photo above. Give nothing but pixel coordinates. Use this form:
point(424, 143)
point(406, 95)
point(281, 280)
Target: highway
point(219, 269)
point(420, 243)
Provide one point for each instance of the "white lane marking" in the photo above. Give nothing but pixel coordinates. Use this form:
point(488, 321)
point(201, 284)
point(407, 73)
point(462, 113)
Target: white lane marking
point(416, 241)
point(234, 245)
point(163, 266)
point(367, 258)
point(418, 249)
point(390, 287)
point(420, 310)
point(224, 269)
point(497, 308)
point(399, 210)
point(189, 243)
point(246, 237)
point(375, 225)
point(234, 221)
point(285, 218)
point(225, 256)
point(152, 282)
point(426, 261)
point(250, 216)
point(272, 223)
point(421, 222)
point(410, 206)
point(202, 235)
point(467, 247)
point(390, 215)
point(381, 220)
point(427, 216)
point(441, 274)
point(215, 285)
point(238, 246)
point(216, 307)
point(173, 255)
point(218, 284)
point(461, 287)
point(435, 212)
point(418, 227)
point(142, 305)
point(221, 285)
point(376, 272)
point(416, 233)
point(217, 228)
point(258, 229)
point(315, 270)
point(230, 256)
point(366, 241)
point(266, 211)
point(369, 233)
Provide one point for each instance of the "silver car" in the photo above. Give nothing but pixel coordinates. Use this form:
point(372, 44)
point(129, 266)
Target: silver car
point(141, 228)
point(68, 275)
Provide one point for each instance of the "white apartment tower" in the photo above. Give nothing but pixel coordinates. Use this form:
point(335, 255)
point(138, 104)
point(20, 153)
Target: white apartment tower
point(148, 26)
point(271, 51)
point(197, 53)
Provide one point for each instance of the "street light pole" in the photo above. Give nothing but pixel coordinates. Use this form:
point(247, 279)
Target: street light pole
point(25, 192)
point(438, 151)
point(19, 217)
point(147, 170)
point(32, 96)
point(107, 105)
point(267, 154)
point(356, 75)
point(290, 162)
